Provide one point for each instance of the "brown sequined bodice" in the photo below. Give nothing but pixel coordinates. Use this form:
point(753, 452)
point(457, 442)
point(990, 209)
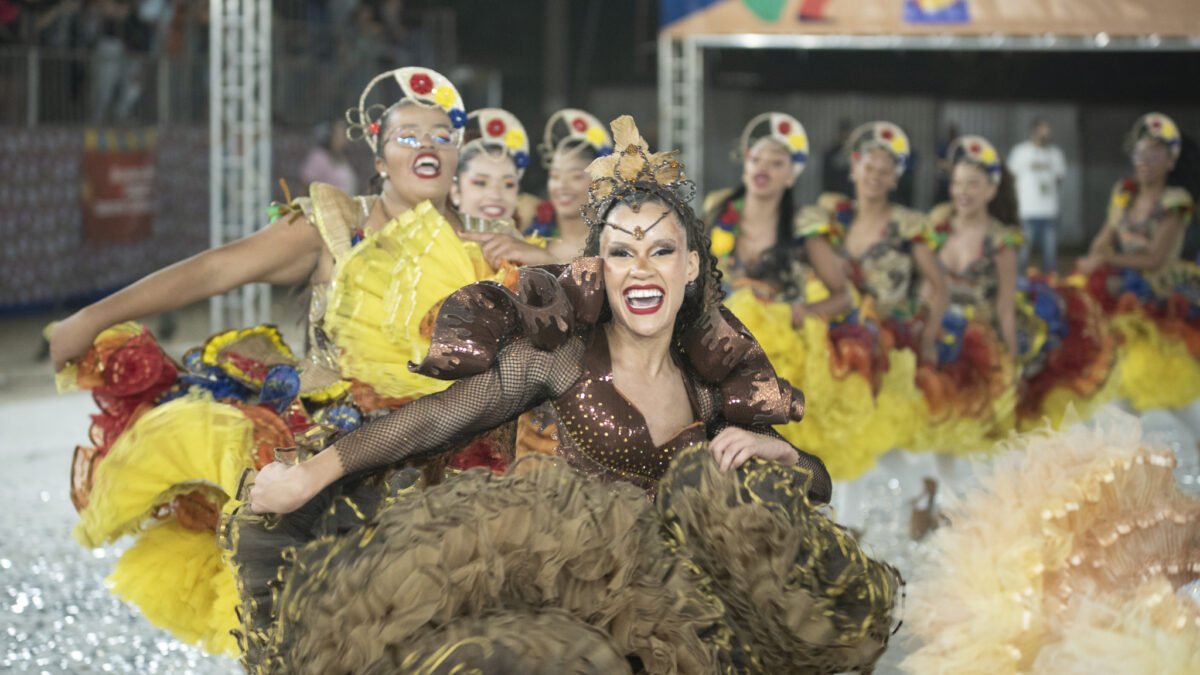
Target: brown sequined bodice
point(602, 434)
point(511, 351)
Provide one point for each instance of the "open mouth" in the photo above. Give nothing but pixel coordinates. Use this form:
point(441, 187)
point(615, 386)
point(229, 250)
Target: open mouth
point(644, 299)
point(427, 165)
point(761, 180)
point(563, 201)
point(492, 211)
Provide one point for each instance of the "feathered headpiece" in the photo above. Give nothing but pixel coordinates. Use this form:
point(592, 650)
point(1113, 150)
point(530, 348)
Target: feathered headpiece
point(632, 171)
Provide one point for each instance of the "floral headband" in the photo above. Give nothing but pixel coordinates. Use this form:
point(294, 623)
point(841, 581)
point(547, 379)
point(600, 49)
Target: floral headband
point(422, 85)
point(501, 129)
point(978, 151)
point(782, 128)
point(883, 135)
point(571, 124)
point(1158, 125)
point(634, 169)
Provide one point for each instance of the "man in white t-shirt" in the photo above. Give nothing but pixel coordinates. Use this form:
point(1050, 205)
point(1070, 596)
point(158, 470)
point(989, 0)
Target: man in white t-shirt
point(1039, 168)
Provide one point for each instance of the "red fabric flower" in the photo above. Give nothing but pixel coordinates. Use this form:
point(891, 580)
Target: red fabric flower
point(579, 124)
point(420, 84)
point(1129, 185)
point(374, 128)
point(730, 216)
point(137, 367)
point(974, 148)
point(785, 127)
point(495, 127)
point(886, 134)
point(545, 212)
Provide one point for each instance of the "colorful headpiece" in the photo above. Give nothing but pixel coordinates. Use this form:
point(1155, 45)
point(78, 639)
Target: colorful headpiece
point(1158, 125)
point(779, 127)
point(421, 85)
point(633, 169)
point(501, 132)
point(571, 124)
point(978, 151)
point(883, 135)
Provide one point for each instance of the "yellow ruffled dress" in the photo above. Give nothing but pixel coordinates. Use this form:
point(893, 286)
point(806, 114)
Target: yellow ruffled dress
point(1160, 349)
point(184, 457)
point(850, 419)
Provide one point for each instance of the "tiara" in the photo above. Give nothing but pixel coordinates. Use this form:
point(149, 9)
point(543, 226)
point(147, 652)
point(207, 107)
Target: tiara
point(781, 128)
point(1158, 125)
point(572, 124)
point(633, 170)
point(421, 85)
point(977, 150)
point(885, 136)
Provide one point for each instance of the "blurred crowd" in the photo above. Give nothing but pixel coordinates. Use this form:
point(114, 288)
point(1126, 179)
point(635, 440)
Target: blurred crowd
point(98, 55)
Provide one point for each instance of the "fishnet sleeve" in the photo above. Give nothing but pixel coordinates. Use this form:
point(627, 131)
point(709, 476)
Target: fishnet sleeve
point(521, 377)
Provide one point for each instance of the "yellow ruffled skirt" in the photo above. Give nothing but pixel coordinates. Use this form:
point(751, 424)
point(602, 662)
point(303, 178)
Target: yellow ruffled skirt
point(173, 574)
point(846, 424)
point(1157, 370)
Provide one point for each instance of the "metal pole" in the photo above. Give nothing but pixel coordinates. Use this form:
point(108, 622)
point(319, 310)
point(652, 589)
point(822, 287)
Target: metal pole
point(32, 86)
point(216, 167)
point(666, 92)
point(263, 39)
point(692, 142)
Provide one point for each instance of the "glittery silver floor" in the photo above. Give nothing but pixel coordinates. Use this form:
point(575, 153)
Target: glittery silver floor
point(56, 615)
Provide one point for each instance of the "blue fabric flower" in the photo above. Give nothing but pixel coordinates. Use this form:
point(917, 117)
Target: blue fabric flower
point(604, 151)
point(280, 387)
point(458, 118)
point(344, 417)
point(521, 159)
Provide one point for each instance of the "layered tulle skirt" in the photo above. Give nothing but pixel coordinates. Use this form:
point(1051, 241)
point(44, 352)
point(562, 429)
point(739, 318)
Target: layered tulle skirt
point(542, 571)
point(1067, 559)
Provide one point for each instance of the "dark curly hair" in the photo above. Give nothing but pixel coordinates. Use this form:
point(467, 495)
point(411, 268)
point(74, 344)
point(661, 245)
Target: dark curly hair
point(708, 283)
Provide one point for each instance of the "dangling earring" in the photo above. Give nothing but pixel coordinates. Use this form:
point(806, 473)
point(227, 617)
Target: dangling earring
point(383, 174)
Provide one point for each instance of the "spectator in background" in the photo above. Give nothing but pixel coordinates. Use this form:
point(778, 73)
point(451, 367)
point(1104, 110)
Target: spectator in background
point(326, 162)
point(406, 43)
point(1039, 167)
point(835, 164)
point(115, 84)
point(361, 51)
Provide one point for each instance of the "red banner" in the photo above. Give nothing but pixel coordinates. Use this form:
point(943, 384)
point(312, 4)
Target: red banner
point(118, 185)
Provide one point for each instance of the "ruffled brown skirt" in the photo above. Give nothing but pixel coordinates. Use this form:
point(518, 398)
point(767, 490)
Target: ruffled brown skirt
point(544, 572)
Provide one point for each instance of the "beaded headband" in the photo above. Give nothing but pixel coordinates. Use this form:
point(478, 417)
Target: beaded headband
point(882, 135)
point(1158, 125)
point(572, 124)
point(422, 86)
point(978, 151)
point(781, 128)
point(500, 131)
point(631, 171)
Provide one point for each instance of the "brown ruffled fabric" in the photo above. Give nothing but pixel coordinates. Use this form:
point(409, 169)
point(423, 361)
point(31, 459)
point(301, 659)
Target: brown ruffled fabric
point(731, 572)
point(553, 301)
